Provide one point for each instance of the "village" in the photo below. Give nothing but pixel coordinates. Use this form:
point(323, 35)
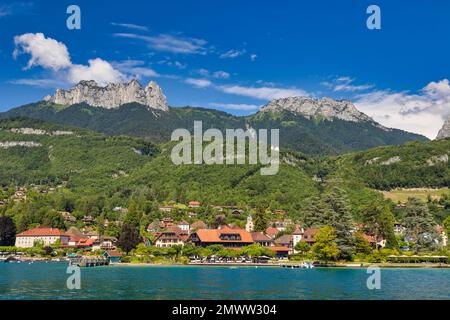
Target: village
point(181, 237)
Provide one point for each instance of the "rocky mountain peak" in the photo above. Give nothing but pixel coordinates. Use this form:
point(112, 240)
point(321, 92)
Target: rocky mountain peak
point(325, 107)
point(445, 130)
point(112, 95)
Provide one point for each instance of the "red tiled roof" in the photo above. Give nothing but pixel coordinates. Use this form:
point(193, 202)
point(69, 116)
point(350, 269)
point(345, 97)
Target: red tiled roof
point(182, 222)
point(199, 224)
point(287, 238)
point(308, 235)
point(85, 242)
point(114, 253)
point(259, 236)
point(194, 203)
point(47, 232)
point(213, 235)
point(271, 231)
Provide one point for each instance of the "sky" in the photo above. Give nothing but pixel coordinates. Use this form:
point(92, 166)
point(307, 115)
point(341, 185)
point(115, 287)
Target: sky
point(235, 55)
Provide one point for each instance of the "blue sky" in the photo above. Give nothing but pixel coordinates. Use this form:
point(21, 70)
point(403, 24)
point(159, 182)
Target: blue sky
point(237, 55)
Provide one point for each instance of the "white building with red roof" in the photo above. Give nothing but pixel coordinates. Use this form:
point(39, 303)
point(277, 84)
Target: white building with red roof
point(46, 236)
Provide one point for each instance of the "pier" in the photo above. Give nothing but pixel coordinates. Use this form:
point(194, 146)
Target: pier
point(89, 261)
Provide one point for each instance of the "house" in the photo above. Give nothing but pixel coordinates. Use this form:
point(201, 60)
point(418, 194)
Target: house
point(74, 236)
point(192, 214)
point(114, 256)
point(170, 237)
point(91, 235)
point(166, 223)
point(88, 220)
point(68, 217)
point(285, 241)
point(308, 235)
point(272, 232)
point(297, 235)
point(262, 239)
point(104, 243)
point(198, 225)
point(85, 243)
point(281, 252)
point(249, 226)
point(229, 238)
point(376, 242)
point(153, 227)
point(184, 226)
point(194, 204)
point(443, 235)
point(46, 236)
point(166, 208)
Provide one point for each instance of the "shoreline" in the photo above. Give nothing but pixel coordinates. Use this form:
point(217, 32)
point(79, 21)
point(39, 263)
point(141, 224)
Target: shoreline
point(286, 266)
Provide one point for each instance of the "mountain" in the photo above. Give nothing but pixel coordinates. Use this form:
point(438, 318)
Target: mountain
point(32, 151)
point(445, 130)
point(91, 165)
point(313, 127)
point(112, 96)
point(325, 108)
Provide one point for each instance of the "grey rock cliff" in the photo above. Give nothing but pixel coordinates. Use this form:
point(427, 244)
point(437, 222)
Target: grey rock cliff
point(111, 96)
point(326, 107)
point(445, 130)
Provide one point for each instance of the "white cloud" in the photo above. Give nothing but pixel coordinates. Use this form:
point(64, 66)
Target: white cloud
point(346, 84)
point(135, 69)
point(199, 83)
point(221, 75)
point(253, 57)
point(422, 113)
point(53, 55)
point(170, 43)
point(262, 93)
point(130, 26)
point(99, 70)
point(235, 106)
point(43, 83)
point(231, 54)
point(45, 52)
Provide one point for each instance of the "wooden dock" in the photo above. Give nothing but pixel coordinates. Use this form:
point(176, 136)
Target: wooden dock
point(89, 261)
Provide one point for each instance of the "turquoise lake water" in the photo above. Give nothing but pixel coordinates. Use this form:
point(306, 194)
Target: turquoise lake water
point(48, 281)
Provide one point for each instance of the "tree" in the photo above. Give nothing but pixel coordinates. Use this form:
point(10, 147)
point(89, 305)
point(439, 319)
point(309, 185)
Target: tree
point(341, 220)
point(260, 224)
point(325, 247)
point(7, 232)
point(315, 213)
point(129, 238)
point(417, 219)
point(302, 247)
point(379, 221)
point(446, 224)
point(361, 243)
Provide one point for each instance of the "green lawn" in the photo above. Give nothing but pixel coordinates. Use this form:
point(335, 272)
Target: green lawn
point(402, 195)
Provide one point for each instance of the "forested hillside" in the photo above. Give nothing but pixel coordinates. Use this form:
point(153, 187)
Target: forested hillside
point(315, 136)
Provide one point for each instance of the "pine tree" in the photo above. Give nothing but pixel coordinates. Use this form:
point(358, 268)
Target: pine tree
point(417, 219)
point(129, 238)
point(7, 232)
point(260, 220)
point(341, 220)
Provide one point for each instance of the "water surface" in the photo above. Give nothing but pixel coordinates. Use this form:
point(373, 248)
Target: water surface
point(48, 281)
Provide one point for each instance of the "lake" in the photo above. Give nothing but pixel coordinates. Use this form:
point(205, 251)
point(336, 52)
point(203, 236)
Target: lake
point(48, 281)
